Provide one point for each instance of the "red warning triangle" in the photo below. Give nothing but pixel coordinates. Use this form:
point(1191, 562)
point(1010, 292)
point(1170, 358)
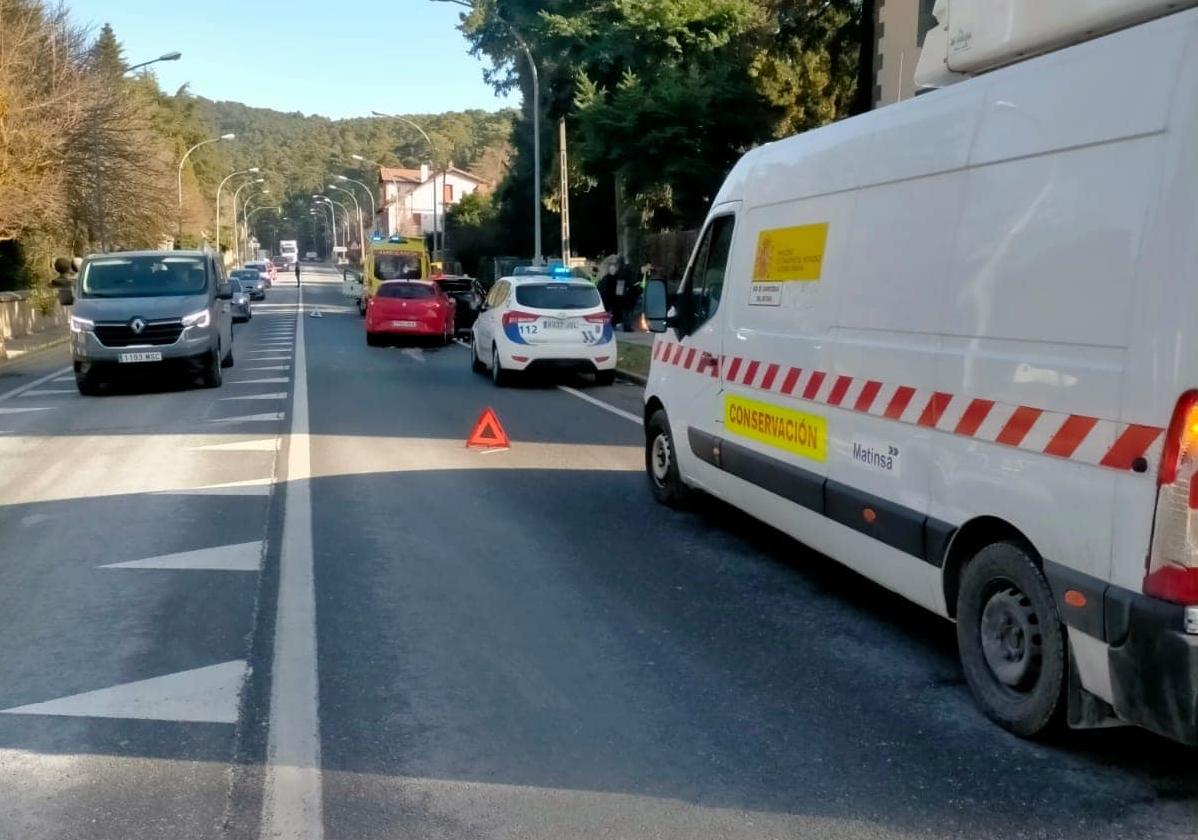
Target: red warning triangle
point(488, 433)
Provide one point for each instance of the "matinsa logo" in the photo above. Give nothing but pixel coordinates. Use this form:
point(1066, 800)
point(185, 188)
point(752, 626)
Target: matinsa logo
point(883, 457)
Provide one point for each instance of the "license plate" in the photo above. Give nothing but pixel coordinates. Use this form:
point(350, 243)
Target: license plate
point(404, 324)
point(559, 324)
point(140, 357)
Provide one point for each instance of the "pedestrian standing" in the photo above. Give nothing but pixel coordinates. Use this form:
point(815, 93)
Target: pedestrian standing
point(297, 273)
point(607, 290)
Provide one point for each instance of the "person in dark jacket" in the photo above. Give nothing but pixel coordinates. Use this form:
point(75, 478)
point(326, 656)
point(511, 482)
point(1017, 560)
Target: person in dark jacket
point(607, 290)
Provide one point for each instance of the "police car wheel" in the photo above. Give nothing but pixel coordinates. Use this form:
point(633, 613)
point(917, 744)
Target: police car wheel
point(476, 364)
point(661, 465)
point(1010, 639)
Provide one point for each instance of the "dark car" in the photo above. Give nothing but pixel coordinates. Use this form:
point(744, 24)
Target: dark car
point(279, 262)
point(252, 281)
point(467, 294)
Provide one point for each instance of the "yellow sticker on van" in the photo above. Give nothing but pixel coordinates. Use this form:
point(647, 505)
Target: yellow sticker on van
point(802, 434)
point(791, 253)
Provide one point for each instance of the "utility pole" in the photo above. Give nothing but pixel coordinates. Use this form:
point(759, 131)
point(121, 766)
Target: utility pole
point(565, 179)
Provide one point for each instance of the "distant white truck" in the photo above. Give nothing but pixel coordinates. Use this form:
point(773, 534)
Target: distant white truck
point(289, 250)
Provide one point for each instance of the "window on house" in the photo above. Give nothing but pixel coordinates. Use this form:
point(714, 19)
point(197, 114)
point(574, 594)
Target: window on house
point(447, 194)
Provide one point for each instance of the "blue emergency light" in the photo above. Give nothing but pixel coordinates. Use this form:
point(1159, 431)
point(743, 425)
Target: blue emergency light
point(561, 272)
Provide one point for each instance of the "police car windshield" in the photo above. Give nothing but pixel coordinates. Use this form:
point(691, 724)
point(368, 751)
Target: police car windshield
point(144, 276)
point(557, 295)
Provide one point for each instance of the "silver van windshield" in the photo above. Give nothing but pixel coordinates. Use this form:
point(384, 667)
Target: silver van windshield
point(144, 276)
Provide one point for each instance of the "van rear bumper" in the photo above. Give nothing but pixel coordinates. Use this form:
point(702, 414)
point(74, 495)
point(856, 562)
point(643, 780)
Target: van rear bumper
point(1154, 664)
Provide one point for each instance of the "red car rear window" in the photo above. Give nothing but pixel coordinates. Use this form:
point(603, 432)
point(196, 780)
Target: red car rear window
point(407, 291)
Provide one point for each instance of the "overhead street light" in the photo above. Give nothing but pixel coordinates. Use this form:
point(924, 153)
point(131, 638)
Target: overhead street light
point(253, 170)
point(327, 204)
point(182, 161)
point(170, 56)
point(536, 127)
point(374, 213)
point(245, 207)
point(361, 226)
point(236, 193)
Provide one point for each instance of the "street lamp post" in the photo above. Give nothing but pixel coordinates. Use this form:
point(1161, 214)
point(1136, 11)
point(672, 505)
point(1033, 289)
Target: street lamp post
point(182, 161)
point(374, 213)
point(361, 226)
point(245, 219)
point(538, 258)
point(346, 224)
point(394, 181)
point(253, 170)
point(257, 210)
point(236, 193)
point(432, 151)
point(328, 205)
point(170, 56)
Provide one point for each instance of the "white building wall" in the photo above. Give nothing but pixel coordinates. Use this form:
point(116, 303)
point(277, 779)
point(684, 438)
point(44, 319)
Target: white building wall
point(418, 199)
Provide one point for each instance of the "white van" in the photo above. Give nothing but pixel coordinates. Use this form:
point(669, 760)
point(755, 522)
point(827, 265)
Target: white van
point(948, 344)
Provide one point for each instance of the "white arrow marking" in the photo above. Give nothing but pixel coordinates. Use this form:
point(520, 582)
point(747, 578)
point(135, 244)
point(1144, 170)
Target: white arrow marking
point(242, 557)
point(201, 695)
point(251, 418)
point(253, 487)
point(262, 445)
point(281, 395)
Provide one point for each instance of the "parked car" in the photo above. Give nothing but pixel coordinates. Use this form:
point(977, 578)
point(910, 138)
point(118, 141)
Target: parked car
point(532, 322)
point(140, 311)
point(950, 344)
point(253, 282)
point(468, 296)
point(240, 304)
point(409, 308)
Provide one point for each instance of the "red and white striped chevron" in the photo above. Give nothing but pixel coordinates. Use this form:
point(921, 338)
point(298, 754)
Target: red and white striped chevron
point(1090, 440)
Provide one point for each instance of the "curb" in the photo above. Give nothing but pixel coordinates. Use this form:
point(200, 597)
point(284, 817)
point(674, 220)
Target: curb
point(629, 376)
point(14, 354)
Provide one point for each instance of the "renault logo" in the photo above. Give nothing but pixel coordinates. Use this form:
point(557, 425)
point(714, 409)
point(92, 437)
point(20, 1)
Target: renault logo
point(137, 325)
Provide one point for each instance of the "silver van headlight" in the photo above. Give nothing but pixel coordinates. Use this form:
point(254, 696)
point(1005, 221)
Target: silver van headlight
point(81, 325)
point(197, 319)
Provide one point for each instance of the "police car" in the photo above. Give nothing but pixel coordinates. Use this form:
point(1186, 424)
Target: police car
point(543, 322)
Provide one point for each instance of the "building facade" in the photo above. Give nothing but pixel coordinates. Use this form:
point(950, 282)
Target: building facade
point(898, 35)
point(414, 201)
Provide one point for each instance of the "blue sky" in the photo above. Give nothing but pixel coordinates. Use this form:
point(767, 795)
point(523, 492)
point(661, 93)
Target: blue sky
point(410, 57)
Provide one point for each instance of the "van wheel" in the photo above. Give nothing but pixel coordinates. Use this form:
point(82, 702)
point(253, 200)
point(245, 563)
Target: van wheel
point(476, 364)
point(213, 377)
point(228, 360)
point(1010, 639)
point(88, 386)
point(661, 464)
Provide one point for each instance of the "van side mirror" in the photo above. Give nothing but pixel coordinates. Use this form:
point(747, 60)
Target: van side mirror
point(657, 306)
point(224, 292)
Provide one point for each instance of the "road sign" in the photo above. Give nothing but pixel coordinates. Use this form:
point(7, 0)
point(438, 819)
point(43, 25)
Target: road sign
point(488, 433)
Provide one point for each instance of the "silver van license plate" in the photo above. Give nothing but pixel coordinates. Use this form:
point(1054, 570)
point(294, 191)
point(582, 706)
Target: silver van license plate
point(141, 357)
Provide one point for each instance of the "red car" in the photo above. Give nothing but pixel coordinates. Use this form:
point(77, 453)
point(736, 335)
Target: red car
point(409, 308)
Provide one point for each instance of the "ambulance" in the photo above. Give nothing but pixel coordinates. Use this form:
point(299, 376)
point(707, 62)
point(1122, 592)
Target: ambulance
point(950, 344)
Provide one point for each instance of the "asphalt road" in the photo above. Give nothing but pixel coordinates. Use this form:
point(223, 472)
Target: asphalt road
point(353, 627)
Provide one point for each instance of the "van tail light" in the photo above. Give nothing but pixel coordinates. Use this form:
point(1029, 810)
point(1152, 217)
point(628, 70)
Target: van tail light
point(514, 317)
point(1173, 557)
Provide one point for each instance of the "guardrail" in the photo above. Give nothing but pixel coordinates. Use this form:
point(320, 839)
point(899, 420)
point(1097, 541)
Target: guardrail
point(24, 317)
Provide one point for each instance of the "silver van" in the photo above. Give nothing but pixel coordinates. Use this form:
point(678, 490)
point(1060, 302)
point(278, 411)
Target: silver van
point(141, 311)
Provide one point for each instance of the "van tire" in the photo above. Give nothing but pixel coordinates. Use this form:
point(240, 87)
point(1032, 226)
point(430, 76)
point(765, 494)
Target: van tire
point(1010, 639)
point(88, 386)
point(212, 377)
point(661, 463)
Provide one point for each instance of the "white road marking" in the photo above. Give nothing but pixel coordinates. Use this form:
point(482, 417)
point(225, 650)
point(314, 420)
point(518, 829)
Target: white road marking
point(253, 487)
point(280, 395)
point(619, 412)
point(413, 353)
point(23, 410)
point(291, 799)
point(260, 445)
point(45, 392)
point(270, 367)
point(64, 379)
point(241, 557)
point(270, 380)
point(15, 392)
point(264, 417)
point(200, 695)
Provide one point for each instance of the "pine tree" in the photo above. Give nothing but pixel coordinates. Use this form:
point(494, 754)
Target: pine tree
point(107, 55)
